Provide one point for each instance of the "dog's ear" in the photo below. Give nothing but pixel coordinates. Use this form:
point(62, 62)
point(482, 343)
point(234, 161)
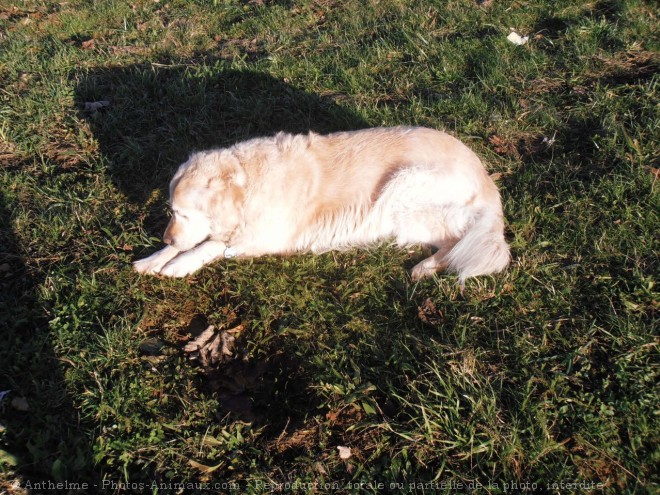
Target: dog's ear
point(227, 186)
point(228, 173)
point(236, 172)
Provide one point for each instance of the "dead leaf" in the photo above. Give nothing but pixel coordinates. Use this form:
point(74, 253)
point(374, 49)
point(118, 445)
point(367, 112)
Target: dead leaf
point(95, 106)
point(203, 468)
point(213, 348)
point(301, 438)
point(201, 340)
point(89, 44)
point(20, 404)
point(429, 314)
point(210, 441)
point(655, 172)
point(502, 146)
point(344, 452)
point(332, 416)
point(517, 39)
point(151, 346)
point(23, 82)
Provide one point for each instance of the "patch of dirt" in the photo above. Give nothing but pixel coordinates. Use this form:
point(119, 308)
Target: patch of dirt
point(521, 145)
point(622, 68)
point(9, 154)
point(250, 48)
point(184, 320)
point(593, 464)
point(627, 67)
point(36, 17)
point(65, 157)
point(15, 13)
point(243, 388)
point(304, 438)
point(345, 417)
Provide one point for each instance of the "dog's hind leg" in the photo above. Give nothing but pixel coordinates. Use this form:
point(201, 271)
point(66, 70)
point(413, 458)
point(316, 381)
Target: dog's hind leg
point(435, 263)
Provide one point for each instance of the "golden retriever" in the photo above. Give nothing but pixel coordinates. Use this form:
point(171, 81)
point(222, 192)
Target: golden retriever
point(296, 193)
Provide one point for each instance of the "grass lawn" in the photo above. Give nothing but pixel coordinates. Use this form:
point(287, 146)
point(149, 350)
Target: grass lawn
point(542, 379)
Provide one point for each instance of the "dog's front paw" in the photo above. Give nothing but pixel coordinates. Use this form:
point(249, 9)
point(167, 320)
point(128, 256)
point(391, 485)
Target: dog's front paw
point(179, 267)
point(154, 263)
point(147, 266)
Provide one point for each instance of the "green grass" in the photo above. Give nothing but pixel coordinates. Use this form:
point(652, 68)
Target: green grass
point(539, 377)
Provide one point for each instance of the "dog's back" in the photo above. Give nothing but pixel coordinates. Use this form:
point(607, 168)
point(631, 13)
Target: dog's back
point(413, 185)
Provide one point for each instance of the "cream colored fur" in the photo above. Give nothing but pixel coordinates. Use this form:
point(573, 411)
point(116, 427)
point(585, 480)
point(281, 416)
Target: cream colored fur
point(297, 193)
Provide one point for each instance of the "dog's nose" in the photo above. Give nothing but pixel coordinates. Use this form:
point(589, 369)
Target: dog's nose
point(167, 239)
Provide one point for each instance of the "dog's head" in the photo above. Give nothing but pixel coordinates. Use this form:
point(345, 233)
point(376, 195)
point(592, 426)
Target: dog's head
point(206, 196)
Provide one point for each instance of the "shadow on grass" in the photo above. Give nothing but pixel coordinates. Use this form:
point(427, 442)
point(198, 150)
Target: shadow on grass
point(147, 119)
point(41, 439)
point(151, 117)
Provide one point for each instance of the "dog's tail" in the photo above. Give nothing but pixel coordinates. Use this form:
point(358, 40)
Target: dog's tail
point(482, 250)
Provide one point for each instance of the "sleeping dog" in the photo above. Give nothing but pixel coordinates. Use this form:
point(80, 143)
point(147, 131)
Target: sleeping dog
point(299, 193)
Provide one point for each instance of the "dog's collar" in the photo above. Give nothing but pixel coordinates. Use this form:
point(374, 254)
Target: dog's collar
point(230, 252)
